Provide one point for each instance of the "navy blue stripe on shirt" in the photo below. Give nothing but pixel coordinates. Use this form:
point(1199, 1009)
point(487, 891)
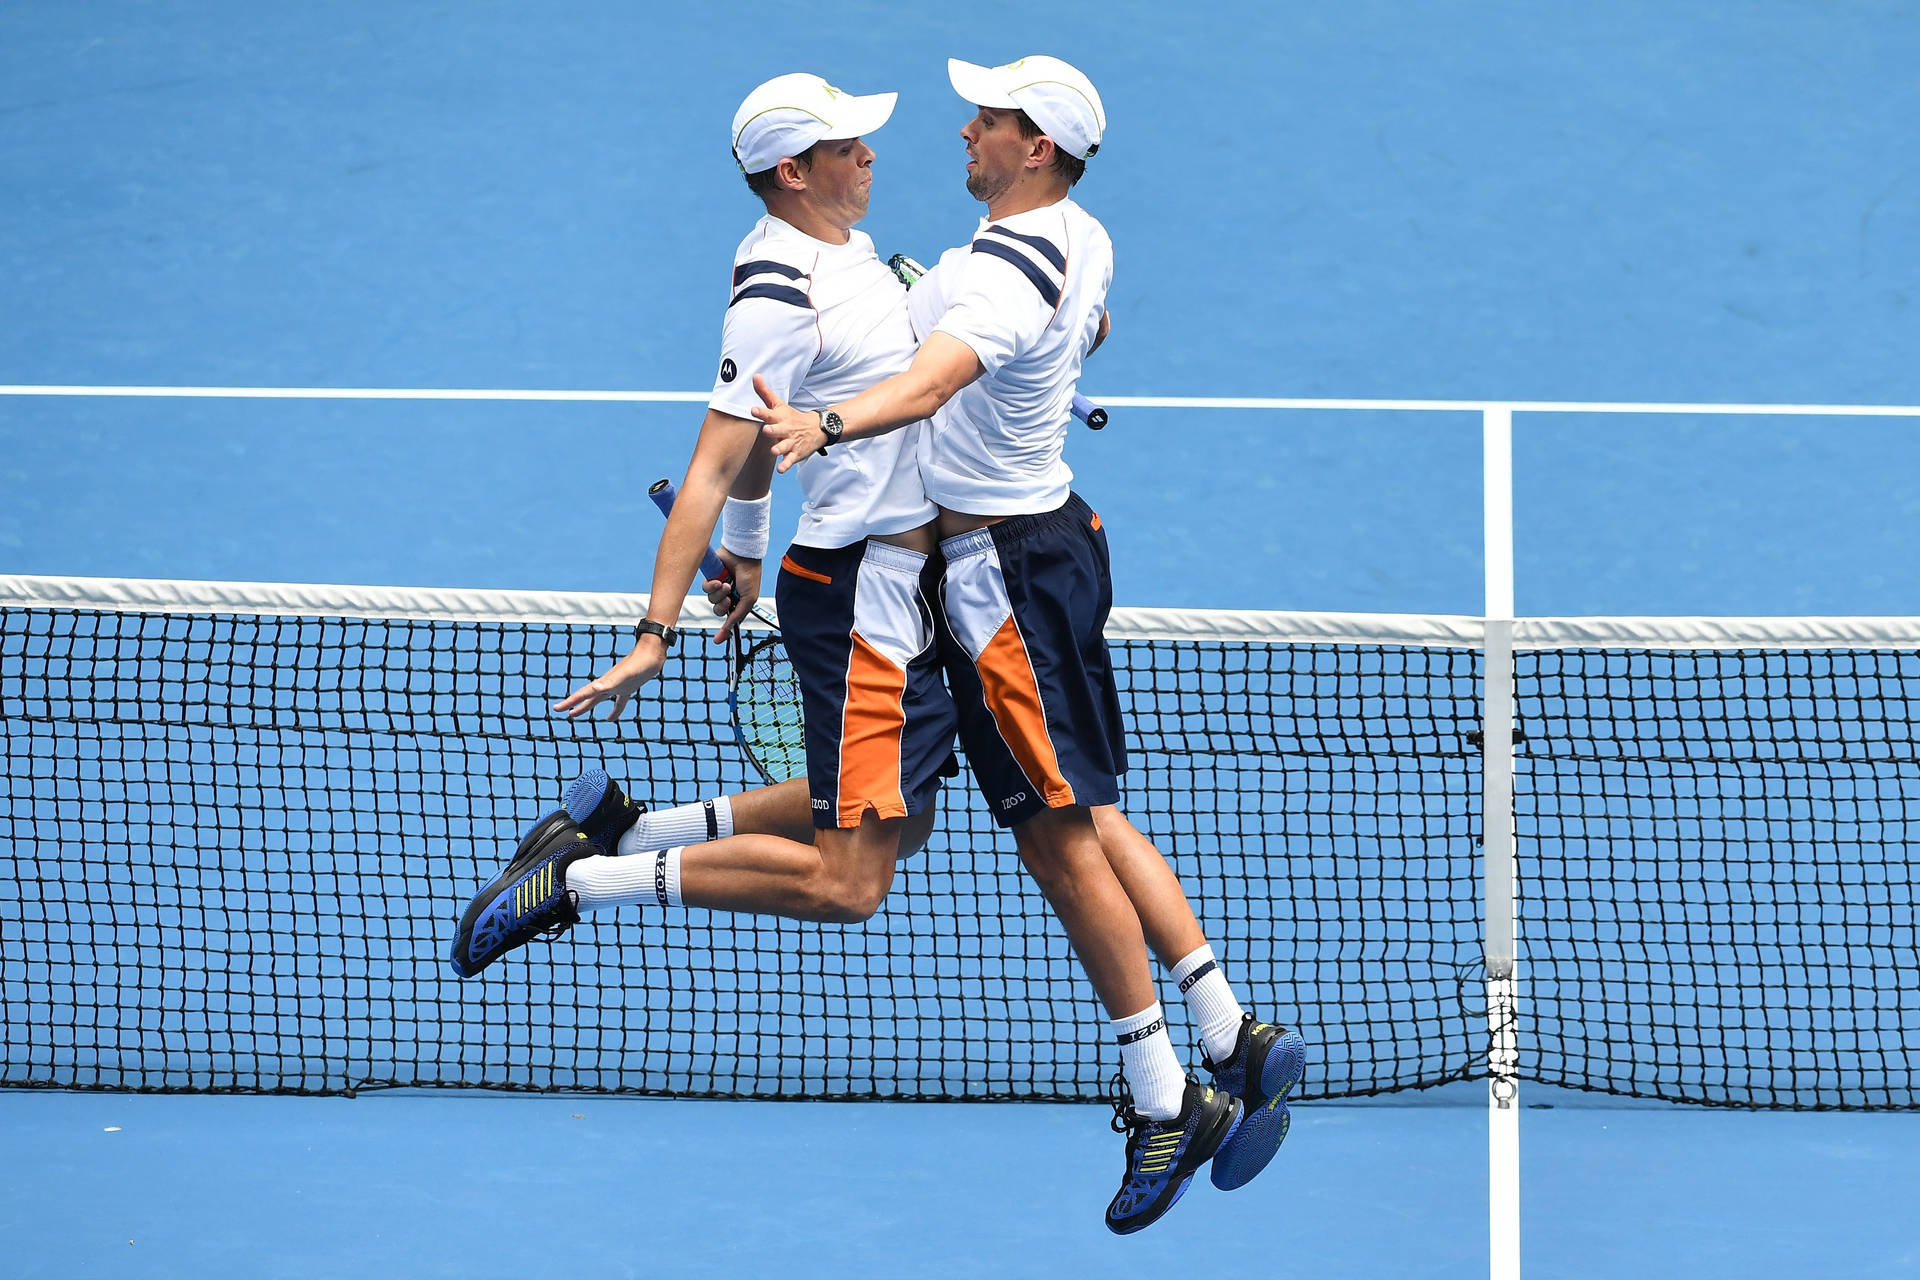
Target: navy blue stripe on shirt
point(746, 269)
point(1045, 248)
point(1048, 289)
point(777, 292)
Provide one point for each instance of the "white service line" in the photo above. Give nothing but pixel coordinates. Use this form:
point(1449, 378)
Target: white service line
point(356, 393)
point(1511, 406)
point(1110, 402)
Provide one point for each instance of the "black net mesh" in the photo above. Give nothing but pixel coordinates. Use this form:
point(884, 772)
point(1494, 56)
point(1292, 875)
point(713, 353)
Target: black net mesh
point(238, 847)
point(241, 844)
point(1717, 851)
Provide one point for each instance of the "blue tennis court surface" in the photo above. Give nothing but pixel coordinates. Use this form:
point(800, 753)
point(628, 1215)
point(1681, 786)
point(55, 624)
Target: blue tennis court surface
point(1639, 201)
point(1632, 201)
point(480, 1185)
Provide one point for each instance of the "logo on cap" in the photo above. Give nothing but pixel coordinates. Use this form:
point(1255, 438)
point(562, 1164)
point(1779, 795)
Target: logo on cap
point(727, 371)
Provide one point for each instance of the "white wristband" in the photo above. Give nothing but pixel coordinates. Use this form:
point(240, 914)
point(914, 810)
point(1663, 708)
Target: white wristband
point(745, 526)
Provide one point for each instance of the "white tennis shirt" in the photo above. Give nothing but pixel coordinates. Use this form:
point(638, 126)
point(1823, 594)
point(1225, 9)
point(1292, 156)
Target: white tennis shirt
point(821, 323)
point(1027, 296)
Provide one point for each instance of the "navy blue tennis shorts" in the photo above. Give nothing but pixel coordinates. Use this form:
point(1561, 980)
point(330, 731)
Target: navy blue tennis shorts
point(1025, 606)
point(879, 722)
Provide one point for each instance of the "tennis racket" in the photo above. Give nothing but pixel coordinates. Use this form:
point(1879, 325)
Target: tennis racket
point(908, 271)
point(763, 694)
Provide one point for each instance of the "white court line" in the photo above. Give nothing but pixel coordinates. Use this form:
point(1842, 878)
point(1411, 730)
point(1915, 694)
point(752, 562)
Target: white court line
point(357, 393)
point(1111, 402)
point(1511, 406)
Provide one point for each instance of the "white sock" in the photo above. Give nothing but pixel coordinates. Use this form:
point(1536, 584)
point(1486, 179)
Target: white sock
point(688, 824)
point(1152, 1070)
point(1211, 1001)
point(652, 880)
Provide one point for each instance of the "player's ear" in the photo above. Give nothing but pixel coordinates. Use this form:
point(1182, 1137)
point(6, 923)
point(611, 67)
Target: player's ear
point(792, 176)
point(1040, 152)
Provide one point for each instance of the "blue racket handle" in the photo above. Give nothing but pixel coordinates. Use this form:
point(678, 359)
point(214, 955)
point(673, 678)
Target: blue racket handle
point(663, 493)
point(1089, 412)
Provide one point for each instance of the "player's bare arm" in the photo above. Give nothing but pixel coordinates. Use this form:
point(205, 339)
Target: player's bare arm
point(732, 600)
point(720, 455)
point(943, 365)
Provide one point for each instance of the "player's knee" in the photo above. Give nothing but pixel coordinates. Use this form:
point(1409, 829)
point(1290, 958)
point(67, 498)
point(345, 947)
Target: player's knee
point(861, 901)
point(849, 900)
point(1061, 849)
point(855, 879)
point(914, 832)
point(1112, 825)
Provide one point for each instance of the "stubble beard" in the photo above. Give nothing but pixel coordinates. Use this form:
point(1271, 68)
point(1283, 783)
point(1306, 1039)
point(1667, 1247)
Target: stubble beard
point(984, 187)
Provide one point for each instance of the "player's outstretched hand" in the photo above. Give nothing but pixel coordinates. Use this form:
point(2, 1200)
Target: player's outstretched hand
point(794, 436)
point(732, 599)
point(622, 680)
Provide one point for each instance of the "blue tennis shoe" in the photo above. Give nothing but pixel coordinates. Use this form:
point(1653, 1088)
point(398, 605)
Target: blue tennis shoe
point(1265, 1065)
point(603, 811)
point(1163, 1155)
point(528, 899)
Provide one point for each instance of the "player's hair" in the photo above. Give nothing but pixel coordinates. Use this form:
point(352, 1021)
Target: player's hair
point(1069, 167)
point(767, 181)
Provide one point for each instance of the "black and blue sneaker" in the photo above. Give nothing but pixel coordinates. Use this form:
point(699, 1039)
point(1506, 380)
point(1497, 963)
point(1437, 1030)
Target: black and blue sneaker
point(1163, 1155)
point(528, 899)
point(1265, 1065)
point(596, 802)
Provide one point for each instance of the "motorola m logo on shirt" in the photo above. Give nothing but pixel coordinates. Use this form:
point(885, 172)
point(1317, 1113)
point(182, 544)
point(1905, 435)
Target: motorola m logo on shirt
point(727, 371)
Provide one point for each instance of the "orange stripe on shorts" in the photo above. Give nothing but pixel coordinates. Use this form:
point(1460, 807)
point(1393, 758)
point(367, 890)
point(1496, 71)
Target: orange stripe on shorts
point(871, 725)
point(1013, 695)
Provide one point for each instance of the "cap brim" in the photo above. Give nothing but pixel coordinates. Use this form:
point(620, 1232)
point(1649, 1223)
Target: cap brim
point(979, 85)
point(861, 115)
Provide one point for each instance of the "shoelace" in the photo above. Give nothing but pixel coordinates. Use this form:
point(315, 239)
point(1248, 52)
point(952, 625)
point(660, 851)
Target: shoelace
point(530, 926)
point(1125, 1119)
point(559, 927)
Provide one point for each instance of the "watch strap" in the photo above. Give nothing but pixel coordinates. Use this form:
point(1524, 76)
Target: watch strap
point(648, 627)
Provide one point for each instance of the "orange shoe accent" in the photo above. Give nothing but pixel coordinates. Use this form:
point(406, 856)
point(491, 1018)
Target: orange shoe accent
point(1013, 695)
point(1096, 519)
point(871, 724)
point(812, 575)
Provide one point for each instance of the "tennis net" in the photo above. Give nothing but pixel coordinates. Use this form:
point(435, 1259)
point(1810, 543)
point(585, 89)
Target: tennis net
point(242, 820)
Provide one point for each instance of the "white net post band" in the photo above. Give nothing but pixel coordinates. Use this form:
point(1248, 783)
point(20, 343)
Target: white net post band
point(1497, 852)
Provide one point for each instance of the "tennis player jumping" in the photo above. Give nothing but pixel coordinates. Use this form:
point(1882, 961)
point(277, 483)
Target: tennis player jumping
point(814, 313)
point(1006, 321)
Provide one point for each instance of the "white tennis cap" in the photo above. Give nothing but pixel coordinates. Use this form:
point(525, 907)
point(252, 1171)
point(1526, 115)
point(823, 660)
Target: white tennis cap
point(1057, 97)
point(788, 114)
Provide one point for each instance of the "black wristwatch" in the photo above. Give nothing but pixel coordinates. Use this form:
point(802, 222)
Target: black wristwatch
point(648, 627)
point(831, 427)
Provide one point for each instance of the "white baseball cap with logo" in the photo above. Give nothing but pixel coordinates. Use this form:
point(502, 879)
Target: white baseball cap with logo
point(788, 114)
point(1055, 95)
